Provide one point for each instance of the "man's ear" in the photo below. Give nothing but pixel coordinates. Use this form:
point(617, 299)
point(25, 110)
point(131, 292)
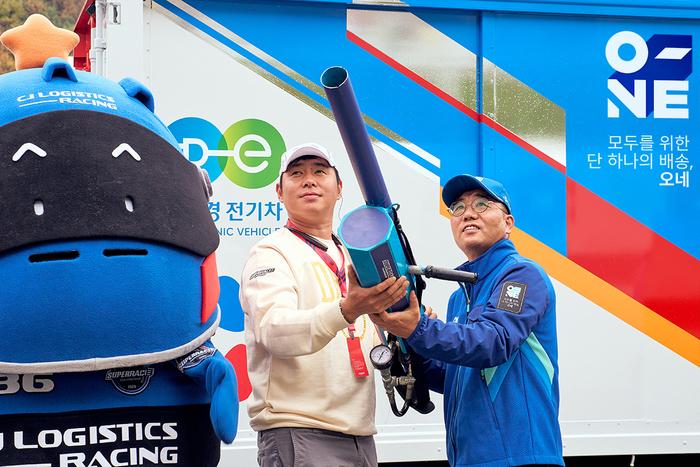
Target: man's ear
point(340, 188)
point(278, 189)
point(510, 223)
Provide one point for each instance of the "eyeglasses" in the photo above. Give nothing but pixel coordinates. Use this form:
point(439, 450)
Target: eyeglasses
point(479, 205)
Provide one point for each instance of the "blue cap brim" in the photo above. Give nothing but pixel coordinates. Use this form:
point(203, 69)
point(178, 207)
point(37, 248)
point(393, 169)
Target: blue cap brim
point(461, 183)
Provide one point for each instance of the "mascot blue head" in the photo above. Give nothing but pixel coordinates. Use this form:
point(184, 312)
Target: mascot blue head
point(106, 242)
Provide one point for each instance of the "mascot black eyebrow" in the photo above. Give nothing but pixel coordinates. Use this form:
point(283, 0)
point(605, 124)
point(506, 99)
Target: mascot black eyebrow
point(109, 286)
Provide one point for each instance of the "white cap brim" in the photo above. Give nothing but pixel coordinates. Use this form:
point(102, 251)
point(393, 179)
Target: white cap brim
point(306, 149)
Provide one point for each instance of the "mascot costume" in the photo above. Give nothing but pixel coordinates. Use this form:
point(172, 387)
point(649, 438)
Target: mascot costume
point(109, 286)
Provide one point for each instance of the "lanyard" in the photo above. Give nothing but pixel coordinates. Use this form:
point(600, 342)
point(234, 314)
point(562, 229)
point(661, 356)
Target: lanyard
point(320, 250)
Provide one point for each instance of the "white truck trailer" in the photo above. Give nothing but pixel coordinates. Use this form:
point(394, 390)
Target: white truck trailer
point(587, 111)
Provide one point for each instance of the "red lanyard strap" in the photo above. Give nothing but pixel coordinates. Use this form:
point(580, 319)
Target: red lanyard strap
point(320, 250)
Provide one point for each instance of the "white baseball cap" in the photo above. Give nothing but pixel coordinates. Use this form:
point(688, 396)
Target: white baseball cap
point(306, 149)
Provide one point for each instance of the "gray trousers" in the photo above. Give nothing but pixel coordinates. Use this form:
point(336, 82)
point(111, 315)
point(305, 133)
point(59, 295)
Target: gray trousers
point(312, 447)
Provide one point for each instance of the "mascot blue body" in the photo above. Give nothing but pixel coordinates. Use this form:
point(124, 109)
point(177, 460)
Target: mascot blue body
point(109, 287)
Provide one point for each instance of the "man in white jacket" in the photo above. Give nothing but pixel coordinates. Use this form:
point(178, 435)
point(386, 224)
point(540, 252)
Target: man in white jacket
point(307, 336)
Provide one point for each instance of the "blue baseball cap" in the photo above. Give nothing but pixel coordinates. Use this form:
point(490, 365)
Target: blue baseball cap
point(461, 183)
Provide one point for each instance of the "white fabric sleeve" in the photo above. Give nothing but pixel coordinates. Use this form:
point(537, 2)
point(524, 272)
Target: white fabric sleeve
point(274, 302)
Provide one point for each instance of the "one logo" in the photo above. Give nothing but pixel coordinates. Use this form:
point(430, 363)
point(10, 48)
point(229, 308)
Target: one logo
point(512, 297)
point(650, 77)
point(248, 153)
point(513, 291)
point(130, 381)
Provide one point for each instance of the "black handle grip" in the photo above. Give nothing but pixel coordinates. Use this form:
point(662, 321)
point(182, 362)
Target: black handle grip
point(451, 274)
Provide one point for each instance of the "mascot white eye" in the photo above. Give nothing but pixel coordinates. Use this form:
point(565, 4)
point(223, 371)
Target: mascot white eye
point(28, 147)
point(125, 147)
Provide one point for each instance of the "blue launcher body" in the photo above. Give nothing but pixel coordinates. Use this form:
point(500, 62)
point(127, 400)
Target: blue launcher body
point(372, 234)
point(371, 238)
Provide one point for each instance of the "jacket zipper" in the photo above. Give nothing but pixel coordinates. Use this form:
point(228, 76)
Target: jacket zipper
point(459, 374)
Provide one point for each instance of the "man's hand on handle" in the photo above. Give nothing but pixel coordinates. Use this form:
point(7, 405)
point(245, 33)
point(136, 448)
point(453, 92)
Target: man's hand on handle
point(371, 300)
point(402, 323)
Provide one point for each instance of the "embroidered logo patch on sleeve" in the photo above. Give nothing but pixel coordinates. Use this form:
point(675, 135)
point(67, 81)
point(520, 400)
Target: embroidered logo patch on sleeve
point(512, 297)
point(260, 273)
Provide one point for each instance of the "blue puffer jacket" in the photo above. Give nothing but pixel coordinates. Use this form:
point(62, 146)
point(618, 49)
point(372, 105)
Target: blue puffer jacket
point(495, 360)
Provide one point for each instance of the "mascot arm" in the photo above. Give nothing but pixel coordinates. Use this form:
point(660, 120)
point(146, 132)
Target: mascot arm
point(208, 368)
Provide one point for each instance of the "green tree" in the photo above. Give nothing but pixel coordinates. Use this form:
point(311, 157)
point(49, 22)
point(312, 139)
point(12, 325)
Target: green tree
point(11, 15)
point(62, 13)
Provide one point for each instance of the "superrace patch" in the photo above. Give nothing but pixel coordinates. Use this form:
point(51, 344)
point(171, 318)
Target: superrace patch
point(130, 381)
point(512, 297)
point(194, 358)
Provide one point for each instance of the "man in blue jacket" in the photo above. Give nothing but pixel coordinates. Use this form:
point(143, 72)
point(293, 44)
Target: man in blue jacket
point(495, 356)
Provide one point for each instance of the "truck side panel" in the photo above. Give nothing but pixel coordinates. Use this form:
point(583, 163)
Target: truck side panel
point(590, 121)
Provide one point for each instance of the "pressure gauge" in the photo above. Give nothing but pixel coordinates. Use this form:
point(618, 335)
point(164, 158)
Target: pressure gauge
point(381, 357)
